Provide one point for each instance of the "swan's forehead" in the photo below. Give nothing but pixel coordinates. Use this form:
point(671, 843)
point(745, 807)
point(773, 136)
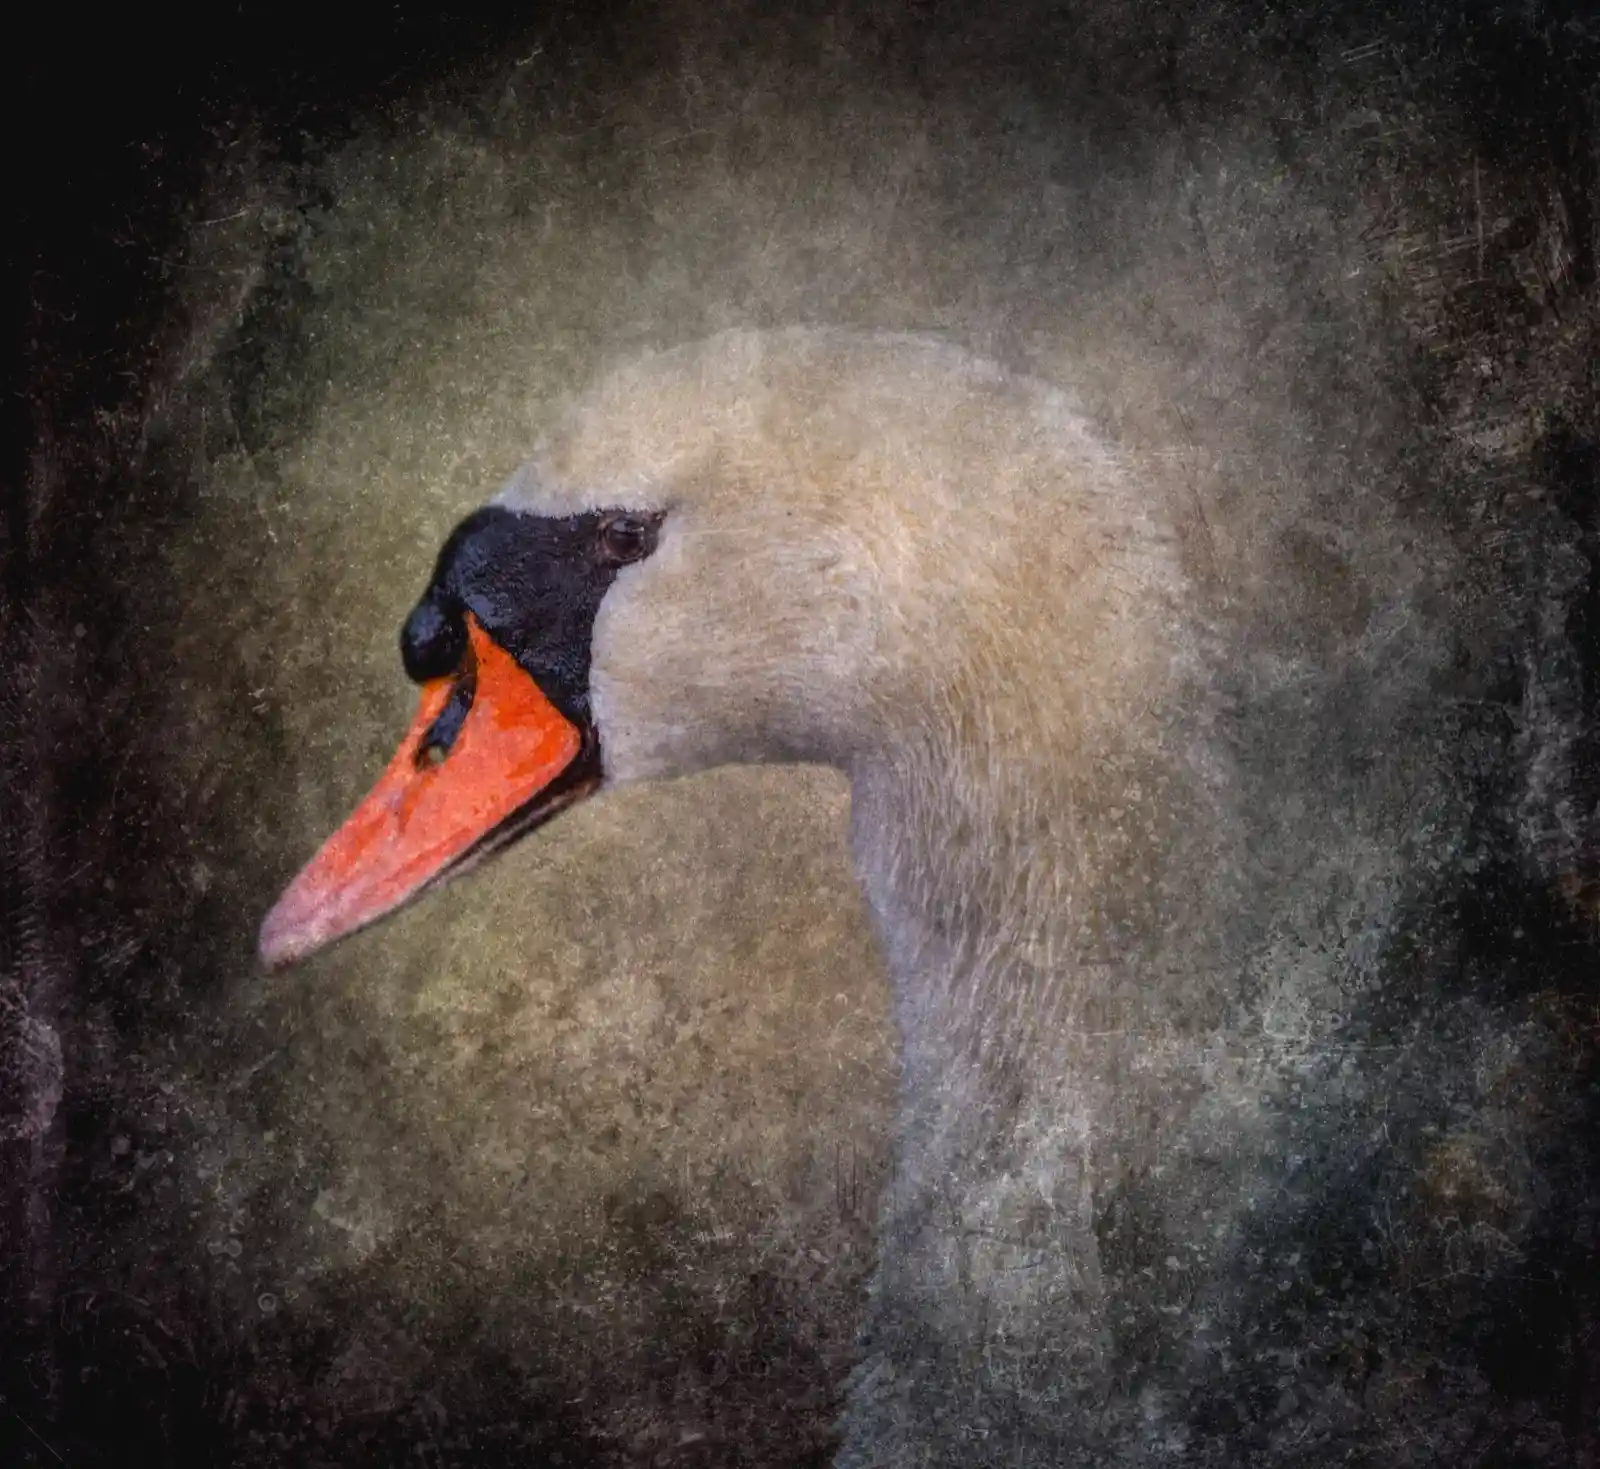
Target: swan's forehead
point(538, 489)
point(641, 451)
point(820, 422)
point(706, 427)
point(711, 469)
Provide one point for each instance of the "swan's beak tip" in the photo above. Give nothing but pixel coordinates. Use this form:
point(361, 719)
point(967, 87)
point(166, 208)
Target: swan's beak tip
point(287, 936)
point(273, 955)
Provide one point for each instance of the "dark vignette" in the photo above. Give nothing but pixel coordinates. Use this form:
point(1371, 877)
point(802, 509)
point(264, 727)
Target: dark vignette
point(114, 1351)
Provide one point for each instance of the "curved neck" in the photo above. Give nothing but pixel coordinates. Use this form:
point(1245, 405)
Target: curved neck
point(1028, 851)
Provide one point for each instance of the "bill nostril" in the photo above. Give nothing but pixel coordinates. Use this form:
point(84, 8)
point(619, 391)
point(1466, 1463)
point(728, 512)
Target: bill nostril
point(442, 733)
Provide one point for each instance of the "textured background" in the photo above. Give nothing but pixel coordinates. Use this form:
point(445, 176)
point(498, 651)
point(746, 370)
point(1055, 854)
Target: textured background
point(577, 1163)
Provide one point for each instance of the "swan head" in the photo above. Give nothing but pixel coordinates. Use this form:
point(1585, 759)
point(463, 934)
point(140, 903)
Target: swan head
point(682, 577)
point(851, 549)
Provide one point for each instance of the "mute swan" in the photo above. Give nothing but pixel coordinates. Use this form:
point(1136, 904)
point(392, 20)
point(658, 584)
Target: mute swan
point(877, 552)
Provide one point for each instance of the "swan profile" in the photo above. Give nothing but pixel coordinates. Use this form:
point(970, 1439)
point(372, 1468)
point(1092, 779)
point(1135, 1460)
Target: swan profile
point(883, 554)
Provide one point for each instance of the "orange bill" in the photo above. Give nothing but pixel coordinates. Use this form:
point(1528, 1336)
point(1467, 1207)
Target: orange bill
point(433, 810)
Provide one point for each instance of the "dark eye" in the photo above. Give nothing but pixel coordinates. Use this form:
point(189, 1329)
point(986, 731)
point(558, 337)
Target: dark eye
point(625, 538)
point(433, 641)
